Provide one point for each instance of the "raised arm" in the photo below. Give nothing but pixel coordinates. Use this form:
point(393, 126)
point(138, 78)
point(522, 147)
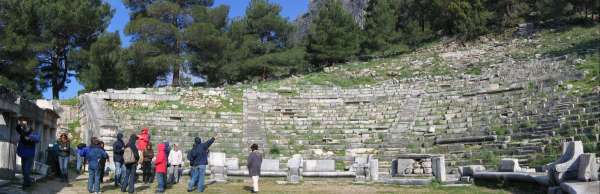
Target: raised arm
point(210, 142)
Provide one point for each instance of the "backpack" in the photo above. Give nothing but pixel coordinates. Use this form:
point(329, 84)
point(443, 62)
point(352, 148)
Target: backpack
point(128, 156)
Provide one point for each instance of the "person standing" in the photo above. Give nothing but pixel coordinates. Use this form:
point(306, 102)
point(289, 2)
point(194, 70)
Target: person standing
point(143, 139)
point(28, 137)
point(131, 158)
point(102, 164)
point(118, 149)
point(161, 167)
point(81, 148)
point(199, 158)
point(64, 146)
point(93, 156)
point(147, 156)
point(176, 161)
point(254, 163)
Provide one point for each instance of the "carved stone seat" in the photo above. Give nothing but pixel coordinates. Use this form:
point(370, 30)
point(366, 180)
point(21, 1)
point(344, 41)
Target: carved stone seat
point(566, 167)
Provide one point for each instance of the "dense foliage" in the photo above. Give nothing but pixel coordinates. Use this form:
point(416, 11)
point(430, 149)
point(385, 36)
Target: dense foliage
point(44, 42)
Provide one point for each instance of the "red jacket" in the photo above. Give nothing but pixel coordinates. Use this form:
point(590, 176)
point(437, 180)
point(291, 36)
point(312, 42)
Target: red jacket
point(161, 159)
point(143, 139)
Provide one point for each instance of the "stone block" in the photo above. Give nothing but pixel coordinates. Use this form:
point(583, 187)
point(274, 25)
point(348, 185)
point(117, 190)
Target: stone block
point(418, 171)
point(295, 162)
point(232, 163)
point(374, 169)
point(509, 165)
point(439, 168)
point(566, 167)
point(270, 165)
point(470, 169)
point(426, 164)
point(319, 165)
point(588, 168)
point(404, 164)
point(427, 170)
point(216, 159)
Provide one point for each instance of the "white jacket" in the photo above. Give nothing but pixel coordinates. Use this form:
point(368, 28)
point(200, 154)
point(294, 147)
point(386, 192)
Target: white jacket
point(176, 157)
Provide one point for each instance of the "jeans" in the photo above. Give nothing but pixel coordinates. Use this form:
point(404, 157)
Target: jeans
point(94, 180)
point(197, 178)
point(161, 178)
point(26, 166)
point(63, 163)
point(119, 171)
point(79, 164)
point(129, 179)
point(175, 173)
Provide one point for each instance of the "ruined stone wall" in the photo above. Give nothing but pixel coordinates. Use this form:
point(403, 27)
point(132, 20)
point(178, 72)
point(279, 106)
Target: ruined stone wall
point(515, 109)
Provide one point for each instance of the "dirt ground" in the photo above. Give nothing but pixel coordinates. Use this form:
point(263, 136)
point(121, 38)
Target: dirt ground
point(267, 185)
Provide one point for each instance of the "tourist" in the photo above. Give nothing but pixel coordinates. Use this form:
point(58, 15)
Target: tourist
point(64, 146)
point(93, 156)
point(28, 137)
point(131, 157)
point(161, 167)
point(254, 162)
point(118, 149)
point(199, 159)
point(102, 164)
point(176, 161)
point(143, 139)
point(147, 156)
point(80, 157)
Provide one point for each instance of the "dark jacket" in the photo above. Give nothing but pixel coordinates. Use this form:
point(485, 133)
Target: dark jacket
point(254, 162)
point(26, 147)
point(148, 155)
point(81, 149)
point(131, 144)
point(94, 155)
point(199, 154)
point(64, 148)
point(119, 149)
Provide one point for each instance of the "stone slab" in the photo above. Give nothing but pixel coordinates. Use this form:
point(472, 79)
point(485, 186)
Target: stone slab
point(269, 165)
point(581, 187)
point(319, 166)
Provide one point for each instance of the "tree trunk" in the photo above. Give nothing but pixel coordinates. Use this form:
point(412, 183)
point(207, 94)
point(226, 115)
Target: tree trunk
point(176, 69)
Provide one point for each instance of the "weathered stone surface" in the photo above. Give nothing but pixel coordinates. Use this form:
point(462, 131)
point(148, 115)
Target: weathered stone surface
point(566, 167)
point(588, 167)
point(470, 169)
point(404, 164)
point(271, 165)
point(319, 166)
point(509, 165)
point(439, 168)
point(581, 187)
point(374, 169)
point(232, 163)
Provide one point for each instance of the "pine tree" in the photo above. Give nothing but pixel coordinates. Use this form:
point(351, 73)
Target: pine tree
point(380, 29)
point(103, 69)
point(52, 31)
point(333, 35)
point(469, 18)
point(162, 24)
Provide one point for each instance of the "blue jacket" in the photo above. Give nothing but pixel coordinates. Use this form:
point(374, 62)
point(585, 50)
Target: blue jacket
point(81, 151)
point(26, 147)
point(199, 154)
point(93, 156)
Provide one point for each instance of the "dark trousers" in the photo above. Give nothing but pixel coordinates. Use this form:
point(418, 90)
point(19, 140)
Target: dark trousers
point(129, 178)
point(147, 172)
point(26, 167)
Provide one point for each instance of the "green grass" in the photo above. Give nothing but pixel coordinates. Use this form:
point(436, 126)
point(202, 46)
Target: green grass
point(70, 102)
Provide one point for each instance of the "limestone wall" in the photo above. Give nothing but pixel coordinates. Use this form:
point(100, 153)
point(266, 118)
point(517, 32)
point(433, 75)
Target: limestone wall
point(515, 109)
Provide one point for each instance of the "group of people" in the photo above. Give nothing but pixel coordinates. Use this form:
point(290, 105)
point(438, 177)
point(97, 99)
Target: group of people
point(166, 165)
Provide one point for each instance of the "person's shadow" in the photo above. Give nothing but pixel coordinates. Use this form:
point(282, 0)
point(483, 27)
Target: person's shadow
point(248, 188)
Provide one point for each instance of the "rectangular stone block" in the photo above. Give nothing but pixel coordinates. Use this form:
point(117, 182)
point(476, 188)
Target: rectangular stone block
point(216, 159)
point(270, 165)
point(232, 163)
point(588, 168)
point(404, 164)
point(439, 168)
point(319, 166)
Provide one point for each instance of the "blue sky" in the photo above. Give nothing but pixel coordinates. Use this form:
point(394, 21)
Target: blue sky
point(291, 10)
